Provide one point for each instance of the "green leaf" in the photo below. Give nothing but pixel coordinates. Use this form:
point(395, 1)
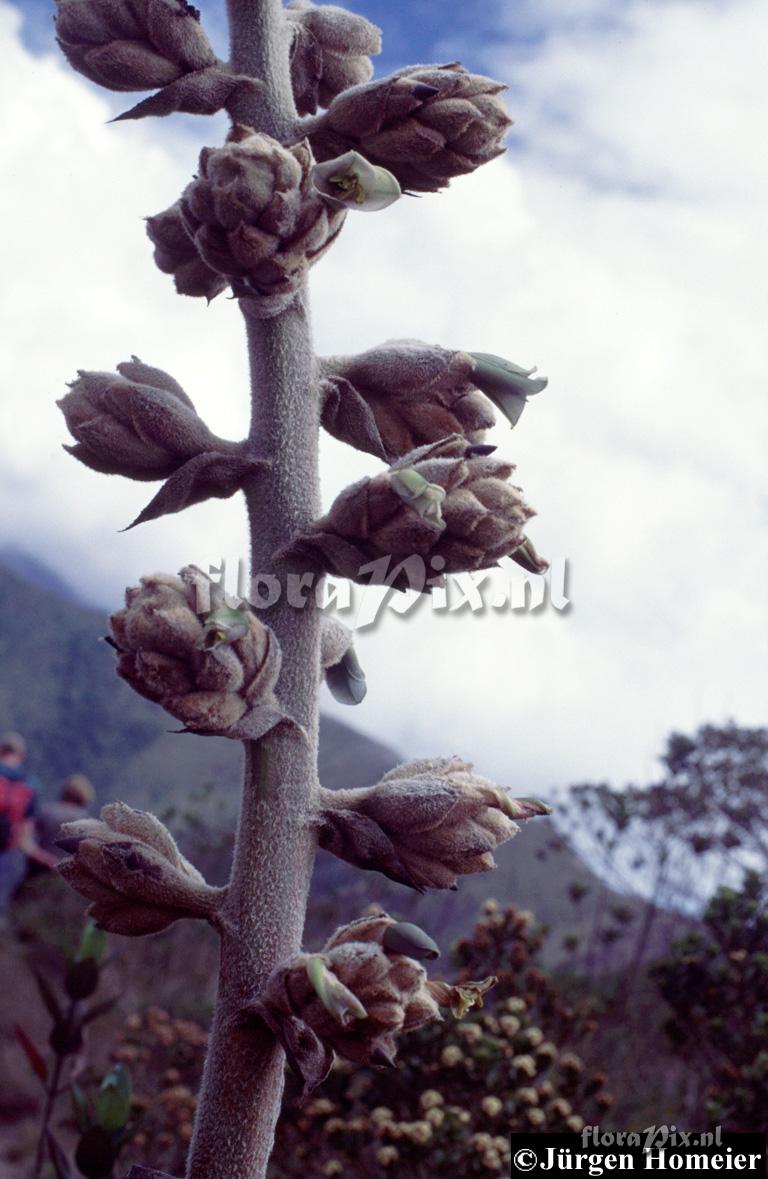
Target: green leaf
point(113, 1100)
point(93, 943)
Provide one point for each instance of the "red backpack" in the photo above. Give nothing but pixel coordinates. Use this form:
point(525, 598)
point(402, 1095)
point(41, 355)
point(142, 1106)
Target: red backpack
point(15, 797)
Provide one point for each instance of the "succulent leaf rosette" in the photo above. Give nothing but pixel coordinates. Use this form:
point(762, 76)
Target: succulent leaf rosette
point(426, 823)
point(212, 667)
point(448, 506)
point(355, 998)
point(426, 124)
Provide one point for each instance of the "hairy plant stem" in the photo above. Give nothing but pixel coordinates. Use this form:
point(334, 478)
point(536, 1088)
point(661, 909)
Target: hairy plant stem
point(274, 851)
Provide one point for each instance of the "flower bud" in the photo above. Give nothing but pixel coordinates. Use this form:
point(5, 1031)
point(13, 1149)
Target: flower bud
point(215, 674)
point(444, 505)
point(255, 219)
point(426, 124)
point(125, 45)
point(350, 182)
point(128, 866)
point(137, 422)
point(175, 253)
point(343, 673)
point(402, 395)
point(425, 824)
point(354, 999)
point(330, 52)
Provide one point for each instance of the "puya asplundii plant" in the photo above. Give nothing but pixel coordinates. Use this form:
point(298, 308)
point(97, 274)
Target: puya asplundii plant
point(262, 209)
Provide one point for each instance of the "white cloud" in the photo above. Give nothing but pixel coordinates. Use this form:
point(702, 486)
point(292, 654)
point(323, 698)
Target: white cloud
point(621, 249)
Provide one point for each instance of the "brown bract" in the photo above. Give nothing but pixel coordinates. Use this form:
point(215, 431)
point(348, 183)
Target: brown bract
point(426, 124)
point(162, 653)
point(255, 218)
point(372, 996)
point(402, 395)
point(132, 44)
point(425, 824)
point(128, 866)
point(330, 51)
point(473, 518)
point(136, 422)
point(175, 253)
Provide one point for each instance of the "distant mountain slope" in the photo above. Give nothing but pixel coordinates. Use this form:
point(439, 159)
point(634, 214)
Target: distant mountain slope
point(58, 687)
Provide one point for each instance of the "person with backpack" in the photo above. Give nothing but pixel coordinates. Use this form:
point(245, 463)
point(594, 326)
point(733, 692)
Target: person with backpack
point(18, 810)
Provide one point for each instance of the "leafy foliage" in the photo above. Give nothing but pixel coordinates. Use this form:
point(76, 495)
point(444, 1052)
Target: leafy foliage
point(716, 983)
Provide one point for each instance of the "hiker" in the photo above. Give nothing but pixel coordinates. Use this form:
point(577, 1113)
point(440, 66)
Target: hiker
point(74, 802)
point(18, 809)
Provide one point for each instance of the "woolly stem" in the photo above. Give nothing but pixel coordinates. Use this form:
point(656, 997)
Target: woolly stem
point(263, 917)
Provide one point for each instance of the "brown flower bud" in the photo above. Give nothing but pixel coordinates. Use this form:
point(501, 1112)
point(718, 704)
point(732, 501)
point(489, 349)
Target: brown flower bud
point(175, 253)
point(354, 999)
point(402, 395)
point(137, 422)
point(425, 124)
point(446, 505)
point(343, 673)
point(330, 52)
point(255, 218)
point(132, 44)
point(211, 667)
point(128, 866)
point(425, 824)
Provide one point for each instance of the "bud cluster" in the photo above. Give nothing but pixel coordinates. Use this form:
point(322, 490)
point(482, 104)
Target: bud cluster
point(137, 422)
point(402, 395)
point(213, 669)
point(330, 51)
point(128, 866)
point(355, 998)
point(426, 124)
point(449, 504)
point(129, 45)
point(255, 218)
point(426, 823)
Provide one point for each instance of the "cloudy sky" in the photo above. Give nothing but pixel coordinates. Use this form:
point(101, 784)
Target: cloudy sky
point(620, 246)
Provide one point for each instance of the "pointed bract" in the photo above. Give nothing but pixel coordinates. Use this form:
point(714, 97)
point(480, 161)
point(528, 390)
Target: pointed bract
point(442, 507)
point(402, 395)
point(426, 124)
point(425, 824)
point(128, 866)
point(254, 217)
point(330, 51)
point(161, 639)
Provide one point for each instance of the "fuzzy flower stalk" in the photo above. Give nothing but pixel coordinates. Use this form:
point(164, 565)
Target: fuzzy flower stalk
point(312, 136)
